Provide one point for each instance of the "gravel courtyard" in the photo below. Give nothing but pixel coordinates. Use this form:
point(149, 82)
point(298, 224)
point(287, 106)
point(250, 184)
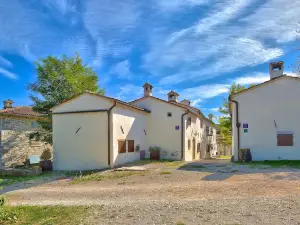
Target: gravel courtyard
point(204, 192)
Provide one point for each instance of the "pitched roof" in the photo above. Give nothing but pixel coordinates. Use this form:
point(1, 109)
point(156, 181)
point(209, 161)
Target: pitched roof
point(190, 108)
point(20, 111)
point(103, 96)
point(266, 82)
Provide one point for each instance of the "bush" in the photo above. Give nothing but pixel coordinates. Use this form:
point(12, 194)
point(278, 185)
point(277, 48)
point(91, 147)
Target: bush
point(46, 155)
point(154, 149)
point(2, 200)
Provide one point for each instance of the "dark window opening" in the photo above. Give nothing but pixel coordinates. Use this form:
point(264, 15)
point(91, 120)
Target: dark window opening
point(189, 121)
point(169, 114)
point(121, 146)
point(285, 140)
point(130, 144)
point(189, 144)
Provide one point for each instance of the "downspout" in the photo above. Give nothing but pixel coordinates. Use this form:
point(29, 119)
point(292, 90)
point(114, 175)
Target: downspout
point(238, 124)
point(108, 131)
point(182, 133)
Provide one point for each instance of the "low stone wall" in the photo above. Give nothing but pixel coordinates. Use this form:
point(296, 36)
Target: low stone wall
point(20, 172)
point(16, 148)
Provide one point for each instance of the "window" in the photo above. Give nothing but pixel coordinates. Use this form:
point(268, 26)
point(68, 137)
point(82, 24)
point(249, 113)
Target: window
point(121, 146)
point(285, 140)
point(169, 114)
point(201, 123)
point(189, 121)
point(198, 147)
point(130, 144)
point(189, 144)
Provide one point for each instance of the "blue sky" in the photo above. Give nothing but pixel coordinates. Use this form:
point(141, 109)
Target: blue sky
point(195, 47)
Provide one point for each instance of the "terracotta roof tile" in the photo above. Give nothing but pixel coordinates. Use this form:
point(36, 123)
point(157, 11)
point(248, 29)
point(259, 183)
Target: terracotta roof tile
point(20, 111)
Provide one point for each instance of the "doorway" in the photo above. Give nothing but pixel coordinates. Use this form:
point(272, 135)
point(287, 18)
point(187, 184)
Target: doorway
point(194, 148)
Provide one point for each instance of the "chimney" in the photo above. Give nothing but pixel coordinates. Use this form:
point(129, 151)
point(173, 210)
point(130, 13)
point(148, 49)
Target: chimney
point(186, 102)
point(210, 116)
point(276, 69)
point(7, 104)
point(173, 96)
point(147, 89)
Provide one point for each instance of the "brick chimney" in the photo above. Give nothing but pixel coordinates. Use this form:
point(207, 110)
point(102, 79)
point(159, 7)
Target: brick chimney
point(210, 116)
point(7, 104)
point(276, 69)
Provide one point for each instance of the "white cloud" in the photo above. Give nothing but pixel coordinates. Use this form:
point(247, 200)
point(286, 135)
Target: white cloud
point(8, 74)
point(5, 62)
point(256, 78)
point(122, 70)
point(174, 5)
point(215, 110)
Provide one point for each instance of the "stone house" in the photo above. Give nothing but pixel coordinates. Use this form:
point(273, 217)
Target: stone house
point(93, 131)
point(16, 123)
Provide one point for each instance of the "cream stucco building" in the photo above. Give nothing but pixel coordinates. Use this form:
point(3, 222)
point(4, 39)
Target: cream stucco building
point(265, 117)
point(93, 131)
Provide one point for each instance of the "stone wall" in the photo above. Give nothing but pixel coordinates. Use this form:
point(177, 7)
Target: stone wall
point(18, 124)
point(16, 147)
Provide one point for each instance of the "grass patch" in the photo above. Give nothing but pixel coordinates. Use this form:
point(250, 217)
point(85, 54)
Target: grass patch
point(106, 176)
point(224, 157)
point(164, 172)
point(39, 215)
point(180, 223)
point(8, 180)
point(273, 163)
point(165, 162)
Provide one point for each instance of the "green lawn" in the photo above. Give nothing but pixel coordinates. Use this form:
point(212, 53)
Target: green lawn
point(165, 162)
point(224, 157)
point(274, 163)
point(98, 176)
point(8, 180)
point(38, 215)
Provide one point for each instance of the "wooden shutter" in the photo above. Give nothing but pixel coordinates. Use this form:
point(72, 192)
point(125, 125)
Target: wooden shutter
point(285, 140)
point(130, 145)
point(121, 146)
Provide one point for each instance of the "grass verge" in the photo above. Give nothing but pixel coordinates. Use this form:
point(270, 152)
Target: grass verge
point(39, 215)
point(8, 180)
point(274, 163)
point(224, 157)
point(165, 162)
point(106, 176)
point(165, 173)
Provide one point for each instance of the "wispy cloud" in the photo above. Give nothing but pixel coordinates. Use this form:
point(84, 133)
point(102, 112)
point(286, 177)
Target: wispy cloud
point(122, 70)
point(255, 78)
point(8, 74)
point(174, 5)
point(5, 62)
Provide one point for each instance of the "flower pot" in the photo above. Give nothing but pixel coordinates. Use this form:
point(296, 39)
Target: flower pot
point(155, 155)
point(46, 165)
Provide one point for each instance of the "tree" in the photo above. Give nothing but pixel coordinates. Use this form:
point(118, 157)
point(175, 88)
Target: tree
point(58, 80)
point(225, 120)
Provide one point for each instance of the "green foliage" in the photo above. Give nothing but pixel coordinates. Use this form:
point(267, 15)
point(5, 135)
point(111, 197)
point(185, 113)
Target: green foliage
point(2, 200)
point(46, 155)
point(58, 80)
point(225, 120)
point(154, 149)
point(7, 216)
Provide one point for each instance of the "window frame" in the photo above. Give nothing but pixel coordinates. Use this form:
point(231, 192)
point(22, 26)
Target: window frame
point(124, 146)
point(169, 114)
point(128, 149)
point(285, 140)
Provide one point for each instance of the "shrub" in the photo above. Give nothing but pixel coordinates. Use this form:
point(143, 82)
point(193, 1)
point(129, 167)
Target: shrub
point(7, 216)
point(2, 200)
point(154, 149)
point(46, 155)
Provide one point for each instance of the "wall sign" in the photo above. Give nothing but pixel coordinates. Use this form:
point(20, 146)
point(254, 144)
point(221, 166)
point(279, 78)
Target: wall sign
point(245, 125)
point(176, 127)
point(245, 130)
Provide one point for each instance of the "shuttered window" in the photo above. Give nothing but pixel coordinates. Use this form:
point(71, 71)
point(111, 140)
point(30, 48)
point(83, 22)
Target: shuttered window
point(121, 146)
point(285, 140)
point(130, 144)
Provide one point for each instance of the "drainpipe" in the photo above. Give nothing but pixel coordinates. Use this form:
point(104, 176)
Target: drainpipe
point(182, 133)
point(108, 131)
point(238, 124)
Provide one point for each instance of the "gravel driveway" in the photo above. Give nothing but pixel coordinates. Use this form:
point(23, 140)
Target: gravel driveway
point(214, 192)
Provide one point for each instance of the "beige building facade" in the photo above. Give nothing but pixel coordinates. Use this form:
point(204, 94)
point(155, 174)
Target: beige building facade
point(93, 131)
point(265, 118)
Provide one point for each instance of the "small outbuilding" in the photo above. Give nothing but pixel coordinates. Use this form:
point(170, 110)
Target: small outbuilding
point(265, 118)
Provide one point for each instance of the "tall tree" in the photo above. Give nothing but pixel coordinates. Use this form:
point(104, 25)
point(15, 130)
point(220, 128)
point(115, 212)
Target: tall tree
point(225, 124)
point(57, 80)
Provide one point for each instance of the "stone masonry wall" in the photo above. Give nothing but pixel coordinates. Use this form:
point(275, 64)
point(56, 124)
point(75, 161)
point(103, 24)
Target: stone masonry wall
point(18, 124)
point(16, 147)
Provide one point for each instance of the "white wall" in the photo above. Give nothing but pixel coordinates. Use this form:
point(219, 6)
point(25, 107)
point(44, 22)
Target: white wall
point(84, 150)
point(161, 130)
point(277, 100)
point(133, 123)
